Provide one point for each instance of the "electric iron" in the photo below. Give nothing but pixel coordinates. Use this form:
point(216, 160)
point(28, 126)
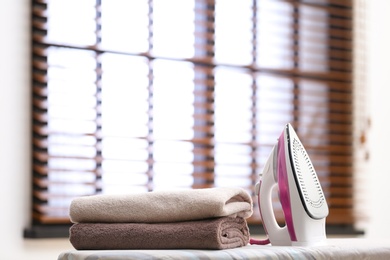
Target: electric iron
point(303, 203)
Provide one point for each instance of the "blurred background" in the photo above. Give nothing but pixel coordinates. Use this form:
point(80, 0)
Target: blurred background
point(15, 132)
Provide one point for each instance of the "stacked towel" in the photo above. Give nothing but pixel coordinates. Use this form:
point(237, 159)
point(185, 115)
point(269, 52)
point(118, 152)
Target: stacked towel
point(213, 218)
point(215, 233)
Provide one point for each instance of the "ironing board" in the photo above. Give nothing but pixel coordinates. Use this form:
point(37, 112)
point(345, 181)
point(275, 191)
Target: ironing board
point(354, 248)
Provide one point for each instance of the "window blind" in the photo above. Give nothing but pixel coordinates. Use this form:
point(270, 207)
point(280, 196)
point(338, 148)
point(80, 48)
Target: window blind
point(135, 96)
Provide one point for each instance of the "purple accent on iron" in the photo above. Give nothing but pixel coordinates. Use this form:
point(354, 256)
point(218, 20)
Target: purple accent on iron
point(284, 189)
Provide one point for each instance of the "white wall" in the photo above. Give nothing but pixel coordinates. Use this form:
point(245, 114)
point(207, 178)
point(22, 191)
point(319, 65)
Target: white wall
point(14, 131)
point(14, 107)
point(15, 137)
point(378, 12)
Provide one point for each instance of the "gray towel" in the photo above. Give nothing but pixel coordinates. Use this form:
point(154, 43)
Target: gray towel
point(162, 206)
point(216, 233)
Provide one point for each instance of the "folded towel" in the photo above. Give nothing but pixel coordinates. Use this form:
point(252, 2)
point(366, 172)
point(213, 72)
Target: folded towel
point(215, 233)
point(162, 206)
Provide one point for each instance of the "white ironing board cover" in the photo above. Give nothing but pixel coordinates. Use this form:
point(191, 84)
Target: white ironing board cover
point(354, 248)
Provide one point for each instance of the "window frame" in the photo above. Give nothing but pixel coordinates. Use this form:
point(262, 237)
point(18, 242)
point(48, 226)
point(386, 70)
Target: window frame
point(338, 78)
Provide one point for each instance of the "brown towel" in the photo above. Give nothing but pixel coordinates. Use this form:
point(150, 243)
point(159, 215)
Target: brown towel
point(162, 206)
point(215, 233)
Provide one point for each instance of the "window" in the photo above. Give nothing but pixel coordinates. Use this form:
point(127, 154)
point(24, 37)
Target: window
point(134, 96)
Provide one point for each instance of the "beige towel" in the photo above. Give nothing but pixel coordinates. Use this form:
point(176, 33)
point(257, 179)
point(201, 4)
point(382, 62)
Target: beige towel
point(162, 206)
point(216, 233)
